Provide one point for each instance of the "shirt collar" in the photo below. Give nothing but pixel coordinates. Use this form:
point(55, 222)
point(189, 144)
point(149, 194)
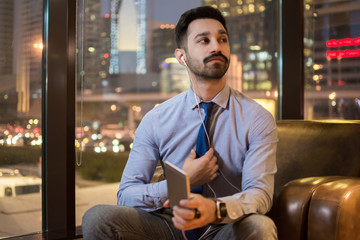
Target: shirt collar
point(221, 99)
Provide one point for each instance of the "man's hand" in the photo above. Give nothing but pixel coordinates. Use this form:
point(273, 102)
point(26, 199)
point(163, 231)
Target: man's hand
point(201, 170)
point(184, 216)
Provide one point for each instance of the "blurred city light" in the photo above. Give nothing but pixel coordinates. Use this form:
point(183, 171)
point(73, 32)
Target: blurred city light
point(332, 95)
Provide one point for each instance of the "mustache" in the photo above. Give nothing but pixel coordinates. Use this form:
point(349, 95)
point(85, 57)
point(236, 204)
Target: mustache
point(218, 54)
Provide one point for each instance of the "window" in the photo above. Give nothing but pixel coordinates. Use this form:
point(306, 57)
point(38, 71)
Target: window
point(21, 24)
point(126, 65)
point(120, 80)
point(332, 59)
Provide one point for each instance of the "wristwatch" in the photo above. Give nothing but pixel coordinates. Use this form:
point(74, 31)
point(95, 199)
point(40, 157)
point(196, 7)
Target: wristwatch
point(221, 211)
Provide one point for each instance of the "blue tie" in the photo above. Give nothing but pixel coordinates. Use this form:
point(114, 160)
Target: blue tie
point(202, 146)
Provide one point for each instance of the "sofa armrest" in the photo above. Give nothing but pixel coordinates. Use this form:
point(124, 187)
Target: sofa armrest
point(292, 206)
point(334, 211)
point(158, 175)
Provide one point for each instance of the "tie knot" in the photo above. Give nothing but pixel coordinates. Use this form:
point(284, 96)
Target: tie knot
point(207, 106)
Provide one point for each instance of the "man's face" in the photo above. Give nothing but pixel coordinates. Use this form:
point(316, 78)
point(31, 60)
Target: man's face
point(208, 49)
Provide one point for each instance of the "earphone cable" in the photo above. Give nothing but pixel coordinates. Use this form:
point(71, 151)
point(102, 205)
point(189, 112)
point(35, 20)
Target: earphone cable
point(194, 85)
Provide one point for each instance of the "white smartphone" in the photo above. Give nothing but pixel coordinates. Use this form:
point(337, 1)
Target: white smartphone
point(178, 183)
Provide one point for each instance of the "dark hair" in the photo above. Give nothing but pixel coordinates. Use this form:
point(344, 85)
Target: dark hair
point(193, 14)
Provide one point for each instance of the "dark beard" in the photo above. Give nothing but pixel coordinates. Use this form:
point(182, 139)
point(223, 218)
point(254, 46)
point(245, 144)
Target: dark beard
point(216, 71)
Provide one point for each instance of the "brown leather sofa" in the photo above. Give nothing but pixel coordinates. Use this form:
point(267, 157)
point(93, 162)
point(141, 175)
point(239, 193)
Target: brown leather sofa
point(317, 187)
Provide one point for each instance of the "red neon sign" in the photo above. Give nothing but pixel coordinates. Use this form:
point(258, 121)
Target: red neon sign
point(343, 54)
point(334, 43)
point(343, 42)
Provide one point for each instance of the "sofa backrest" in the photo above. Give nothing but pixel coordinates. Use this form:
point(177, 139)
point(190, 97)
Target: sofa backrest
point(316, 148)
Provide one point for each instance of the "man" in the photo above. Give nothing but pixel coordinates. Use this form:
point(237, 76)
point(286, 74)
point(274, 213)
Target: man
point(235, 176)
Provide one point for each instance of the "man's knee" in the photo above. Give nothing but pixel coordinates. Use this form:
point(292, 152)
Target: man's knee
point(93, 215)
point(122, 222)
point(90, 218)
point(95, 220)
point(256, 226)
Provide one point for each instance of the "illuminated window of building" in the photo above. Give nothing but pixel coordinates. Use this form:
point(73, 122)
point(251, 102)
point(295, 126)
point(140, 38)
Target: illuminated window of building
point(251, 8)
point(245, 9)
point(261, 7)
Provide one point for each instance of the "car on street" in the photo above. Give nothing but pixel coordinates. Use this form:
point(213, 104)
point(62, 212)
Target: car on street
point(13, 183)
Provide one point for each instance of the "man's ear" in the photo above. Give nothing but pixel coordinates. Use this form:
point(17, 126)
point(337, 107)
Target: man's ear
point(180, 56)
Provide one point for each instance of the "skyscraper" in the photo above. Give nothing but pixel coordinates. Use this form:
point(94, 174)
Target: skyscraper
point(94, 44)
point(128, 37)
point(21, 55)
point(8, 97)
point(332, 59)
point(6, 36)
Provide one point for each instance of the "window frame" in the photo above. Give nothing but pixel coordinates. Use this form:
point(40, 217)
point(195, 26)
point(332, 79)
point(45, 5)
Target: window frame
point(58, 116)
point(291, 59)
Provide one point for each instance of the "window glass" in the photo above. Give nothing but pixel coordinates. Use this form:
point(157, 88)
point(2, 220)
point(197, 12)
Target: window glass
point(126, 66)
point(332, 59)
point(21, 24)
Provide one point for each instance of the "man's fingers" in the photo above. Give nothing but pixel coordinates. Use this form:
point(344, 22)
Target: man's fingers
point(216, 168)
point(184, 213)
point(166, 204)
point(191, 202)
point(213, 161)
point(209, 153)
point(179, 222)
point(192, 154)
point(187, 221)
point(213, 176)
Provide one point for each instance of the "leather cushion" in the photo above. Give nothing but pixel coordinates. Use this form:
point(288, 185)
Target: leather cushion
point(293, 204)
point(334, 211)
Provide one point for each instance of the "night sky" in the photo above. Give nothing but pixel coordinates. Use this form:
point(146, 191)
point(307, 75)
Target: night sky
point(171, 10)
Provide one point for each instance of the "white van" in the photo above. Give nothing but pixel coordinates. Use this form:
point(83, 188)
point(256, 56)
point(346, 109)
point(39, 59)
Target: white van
point(12, 183)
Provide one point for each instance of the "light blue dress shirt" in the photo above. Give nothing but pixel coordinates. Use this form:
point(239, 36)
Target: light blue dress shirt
point(244, 138)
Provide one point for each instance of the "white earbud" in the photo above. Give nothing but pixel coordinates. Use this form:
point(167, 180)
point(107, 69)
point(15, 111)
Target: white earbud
point(183, 60)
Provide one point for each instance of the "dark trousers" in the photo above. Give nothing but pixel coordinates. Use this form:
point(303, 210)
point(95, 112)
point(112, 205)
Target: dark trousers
point(121, 222)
